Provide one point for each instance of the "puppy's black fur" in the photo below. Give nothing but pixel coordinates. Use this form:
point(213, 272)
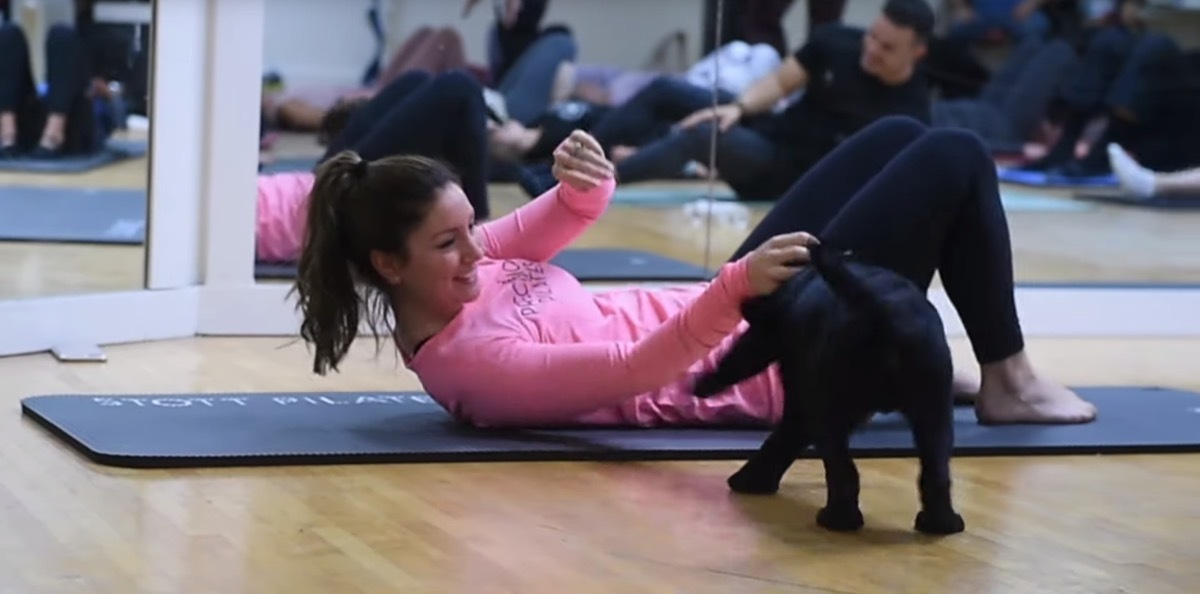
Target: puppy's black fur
point(851, 340)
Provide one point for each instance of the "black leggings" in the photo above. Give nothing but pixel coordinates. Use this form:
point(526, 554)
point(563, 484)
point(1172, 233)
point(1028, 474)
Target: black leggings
point(916, 200)
point(67, 84)
point(440, 117)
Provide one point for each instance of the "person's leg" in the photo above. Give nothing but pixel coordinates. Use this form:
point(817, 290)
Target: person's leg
point(650, 113)
point(528, 86)
point(864, 196)
point(1083, 90)
point(365, 117)
point(432, 50)
point(763, 20)
point(954, 71)
point(1140, 105)
point(444, 118)
point(402, 60)
point(1032, 89)
point(1143, 182)
point(70, 122)
point(18, 93)
point(743, 157)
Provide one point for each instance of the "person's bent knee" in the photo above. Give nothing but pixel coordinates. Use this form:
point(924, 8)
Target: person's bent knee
point(959, 143)
point(562, 43)
point(459, 84)
point(896, 123)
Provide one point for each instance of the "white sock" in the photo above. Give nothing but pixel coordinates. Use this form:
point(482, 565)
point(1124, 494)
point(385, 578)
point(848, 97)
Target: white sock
point(1134, 178)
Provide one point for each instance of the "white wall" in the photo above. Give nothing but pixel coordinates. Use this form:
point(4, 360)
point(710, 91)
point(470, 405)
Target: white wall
point(318, 41)
point(613, 32)
point(326, 42)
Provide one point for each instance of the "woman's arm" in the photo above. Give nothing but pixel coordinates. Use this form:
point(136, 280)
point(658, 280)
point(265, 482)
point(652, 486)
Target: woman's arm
point(539, 230)
point(524, 383)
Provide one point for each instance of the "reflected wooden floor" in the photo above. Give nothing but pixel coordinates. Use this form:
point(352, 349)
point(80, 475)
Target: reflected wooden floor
point(45, 269)
point(1035, 525)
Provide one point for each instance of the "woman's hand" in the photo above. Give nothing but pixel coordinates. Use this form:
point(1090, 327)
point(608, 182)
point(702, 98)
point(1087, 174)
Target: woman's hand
point(580, 162)
point(777, 260)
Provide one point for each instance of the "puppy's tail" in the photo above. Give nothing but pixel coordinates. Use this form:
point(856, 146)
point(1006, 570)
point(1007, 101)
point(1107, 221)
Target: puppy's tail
point(750, 354)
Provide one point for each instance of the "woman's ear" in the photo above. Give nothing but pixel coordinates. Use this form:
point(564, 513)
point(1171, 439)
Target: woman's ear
point(387, 266)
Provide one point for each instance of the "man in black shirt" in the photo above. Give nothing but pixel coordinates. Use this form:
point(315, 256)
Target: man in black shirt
point(849, 78)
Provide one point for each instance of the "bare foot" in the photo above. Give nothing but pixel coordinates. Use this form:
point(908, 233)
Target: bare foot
point(1012, 393)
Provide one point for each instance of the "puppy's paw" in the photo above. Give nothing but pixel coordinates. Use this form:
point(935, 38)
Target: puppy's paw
point(939, 522)
point(752, 481)
point(840, 519)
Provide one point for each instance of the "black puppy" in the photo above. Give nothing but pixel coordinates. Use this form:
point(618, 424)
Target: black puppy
point(851, 340)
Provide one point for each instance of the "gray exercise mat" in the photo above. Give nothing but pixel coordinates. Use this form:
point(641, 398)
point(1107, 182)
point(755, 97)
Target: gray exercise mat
point(586, 264)
point(72, 215)
point(199, 430)
point(114, 152)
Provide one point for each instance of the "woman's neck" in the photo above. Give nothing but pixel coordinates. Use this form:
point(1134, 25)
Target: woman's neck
point(415, 325)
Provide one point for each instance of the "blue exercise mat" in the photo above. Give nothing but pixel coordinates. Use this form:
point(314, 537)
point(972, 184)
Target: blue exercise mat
point(1024, 200)
point(114, 152)
point(1179, 202)
point(204, 430)
point(290, 165)
point(1042, 179)
point(72, 215)
point(586, 264)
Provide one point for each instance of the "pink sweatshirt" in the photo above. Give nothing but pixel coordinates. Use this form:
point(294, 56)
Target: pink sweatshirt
point(538, 348)
point(282, 206)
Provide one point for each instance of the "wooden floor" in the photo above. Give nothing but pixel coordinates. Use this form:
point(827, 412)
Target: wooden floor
point(1035, 525)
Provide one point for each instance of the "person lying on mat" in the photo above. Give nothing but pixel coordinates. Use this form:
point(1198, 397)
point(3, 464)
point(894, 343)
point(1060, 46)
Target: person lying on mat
point(1141, 182)
point(500, 337)
point(439, 116)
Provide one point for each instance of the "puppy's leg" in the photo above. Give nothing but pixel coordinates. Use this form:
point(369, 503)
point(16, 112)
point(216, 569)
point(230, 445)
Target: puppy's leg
point(841, 512)
point(762, 473)
point(932, 423)
point(750, 355)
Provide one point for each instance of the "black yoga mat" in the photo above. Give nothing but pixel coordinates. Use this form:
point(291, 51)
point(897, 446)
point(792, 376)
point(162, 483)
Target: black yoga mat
point(586, 264)
point(199, 430)
point(1181, 202)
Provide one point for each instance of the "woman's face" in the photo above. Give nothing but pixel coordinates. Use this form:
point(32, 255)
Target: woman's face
point(439, 275)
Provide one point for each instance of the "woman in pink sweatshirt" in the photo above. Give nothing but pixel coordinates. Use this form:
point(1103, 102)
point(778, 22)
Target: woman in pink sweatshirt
point(500, 337)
